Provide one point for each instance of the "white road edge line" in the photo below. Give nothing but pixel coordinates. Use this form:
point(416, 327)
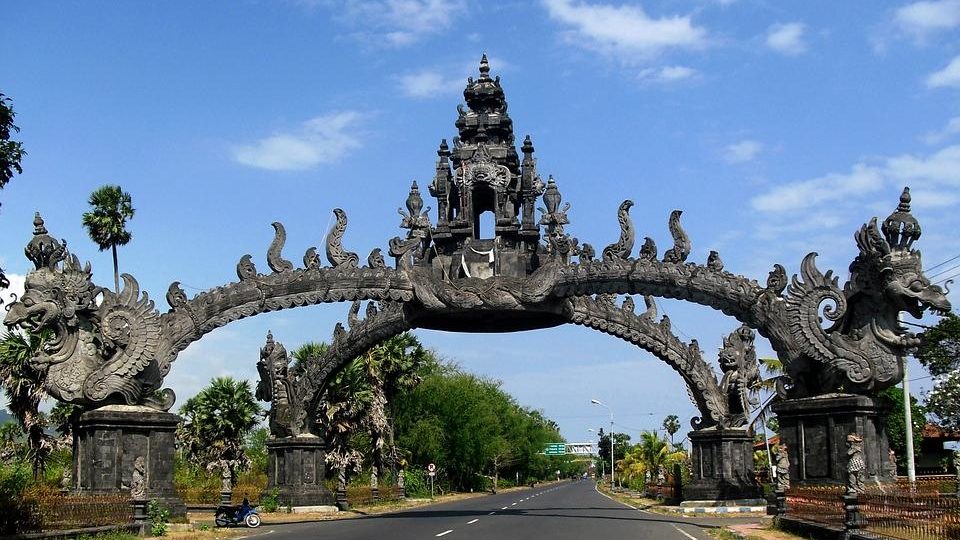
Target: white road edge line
point(473, 521)
point(451, 530)
point(685, 533)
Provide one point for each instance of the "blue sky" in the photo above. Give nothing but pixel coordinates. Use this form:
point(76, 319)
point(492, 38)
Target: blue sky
point(778, 128)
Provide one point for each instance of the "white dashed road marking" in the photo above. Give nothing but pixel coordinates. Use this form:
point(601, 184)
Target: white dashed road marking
point(685, 533)
point(451, 530)
point(473, 521)
point(505, 507)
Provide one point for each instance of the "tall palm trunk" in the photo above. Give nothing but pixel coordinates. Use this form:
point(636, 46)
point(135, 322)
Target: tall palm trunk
point(116, 270)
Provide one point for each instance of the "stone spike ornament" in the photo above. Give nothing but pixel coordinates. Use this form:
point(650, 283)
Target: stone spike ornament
point(275, 259)
point(623, 247)
point(681, 242)
point(453, 276)
point(336, 255)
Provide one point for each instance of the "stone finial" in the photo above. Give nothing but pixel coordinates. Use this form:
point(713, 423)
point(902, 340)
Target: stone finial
point(43, 250)
point(901, 229)
point(484, 67)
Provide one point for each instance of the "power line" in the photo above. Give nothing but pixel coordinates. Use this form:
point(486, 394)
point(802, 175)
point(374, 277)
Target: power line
point(952, 268)
point(951, 259)
point(948, 278)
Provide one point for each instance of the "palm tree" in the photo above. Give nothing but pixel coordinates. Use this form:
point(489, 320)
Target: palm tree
point(307, 352)
point(24, 389)
point(216, 423)
point(671, 424)
point(106, 222)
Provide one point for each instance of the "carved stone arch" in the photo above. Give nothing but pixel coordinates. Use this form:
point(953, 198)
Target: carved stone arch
point(656, 337)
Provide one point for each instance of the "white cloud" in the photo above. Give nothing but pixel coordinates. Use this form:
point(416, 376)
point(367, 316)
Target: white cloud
point(743, 151)
point(667, 74)
point(626, 31)
point(787, 38)
point(429, 83)
point(946, 77)
point(817, 191)
point(952, 128)
point(401, 22)
point(445, 80)
point(936, 177)
point(921, 19)
point(320, 140)
point(15, 290)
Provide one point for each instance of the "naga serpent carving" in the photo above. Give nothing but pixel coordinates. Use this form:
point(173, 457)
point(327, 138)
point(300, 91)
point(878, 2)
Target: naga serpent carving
point(119, 350)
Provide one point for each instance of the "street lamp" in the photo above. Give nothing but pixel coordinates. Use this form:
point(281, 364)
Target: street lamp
point(597, 402)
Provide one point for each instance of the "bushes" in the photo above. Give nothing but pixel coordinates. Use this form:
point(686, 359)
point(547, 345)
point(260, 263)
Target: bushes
point(158, 516)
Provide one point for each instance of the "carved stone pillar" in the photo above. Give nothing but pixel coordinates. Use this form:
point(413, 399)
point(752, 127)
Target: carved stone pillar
point(816, 429)
point(722, 466)
point(111, 438)
point(296, 467)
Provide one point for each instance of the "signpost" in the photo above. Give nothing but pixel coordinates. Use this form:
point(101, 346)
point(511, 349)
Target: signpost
point(555, 449)
point(431, 472)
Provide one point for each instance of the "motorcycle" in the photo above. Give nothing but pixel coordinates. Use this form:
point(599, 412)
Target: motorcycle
point(227, 515)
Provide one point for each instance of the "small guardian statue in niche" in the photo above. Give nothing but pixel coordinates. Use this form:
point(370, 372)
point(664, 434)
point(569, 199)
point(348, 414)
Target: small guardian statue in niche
point(856, 464)
point(138, 480)
point(783, 468)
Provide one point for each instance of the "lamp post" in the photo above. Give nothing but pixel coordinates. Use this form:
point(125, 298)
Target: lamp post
point(597, 402)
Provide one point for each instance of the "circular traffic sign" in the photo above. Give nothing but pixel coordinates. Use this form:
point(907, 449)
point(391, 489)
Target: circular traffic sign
point(431, 467)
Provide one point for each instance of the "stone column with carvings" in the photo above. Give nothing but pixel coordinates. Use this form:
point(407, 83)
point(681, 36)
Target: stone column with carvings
point(113, 441)
point(296, 467)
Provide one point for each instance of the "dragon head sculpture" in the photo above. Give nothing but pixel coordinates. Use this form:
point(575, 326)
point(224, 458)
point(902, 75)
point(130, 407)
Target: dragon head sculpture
point(863, 350)
point(101, 346)
point(887, 278)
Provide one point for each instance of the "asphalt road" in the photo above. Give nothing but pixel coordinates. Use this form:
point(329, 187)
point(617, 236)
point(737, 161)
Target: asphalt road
point(571, 510)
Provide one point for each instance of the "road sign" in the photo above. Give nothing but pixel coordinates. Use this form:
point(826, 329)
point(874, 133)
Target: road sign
point(431, 473)
point(431, 467)
point(555, 449)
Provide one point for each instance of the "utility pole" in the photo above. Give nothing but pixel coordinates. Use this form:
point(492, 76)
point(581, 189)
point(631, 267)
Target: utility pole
point(908, 416)
point(596, 402)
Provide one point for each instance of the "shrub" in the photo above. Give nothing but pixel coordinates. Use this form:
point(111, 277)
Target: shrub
point(271, 501)
point(158, 516)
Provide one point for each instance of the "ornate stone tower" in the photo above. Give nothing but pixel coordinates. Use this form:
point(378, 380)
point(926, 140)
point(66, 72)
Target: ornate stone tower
point(483, 173)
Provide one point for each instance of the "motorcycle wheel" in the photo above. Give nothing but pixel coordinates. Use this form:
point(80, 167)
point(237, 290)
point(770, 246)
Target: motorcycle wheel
point(221, 520)
point(252, 520)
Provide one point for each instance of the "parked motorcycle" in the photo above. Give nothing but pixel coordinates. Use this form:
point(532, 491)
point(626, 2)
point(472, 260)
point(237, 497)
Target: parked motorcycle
point(228, 515)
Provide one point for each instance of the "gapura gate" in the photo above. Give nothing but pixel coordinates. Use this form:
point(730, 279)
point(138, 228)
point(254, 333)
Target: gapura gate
point(110, 352)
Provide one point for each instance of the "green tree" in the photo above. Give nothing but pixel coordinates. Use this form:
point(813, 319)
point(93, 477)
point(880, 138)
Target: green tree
point(940, 353)
point(24, 388)
point(106, 222)
point(11, 152)
point(671, 424)
point(896, 423)
point(216, 423)
point(63, 418)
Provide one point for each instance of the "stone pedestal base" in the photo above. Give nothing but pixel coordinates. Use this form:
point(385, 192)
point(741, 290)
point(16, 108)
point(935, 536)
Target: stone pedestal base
point(815, 431)
point(722, 466)
point(296, 467)
point(111, 438)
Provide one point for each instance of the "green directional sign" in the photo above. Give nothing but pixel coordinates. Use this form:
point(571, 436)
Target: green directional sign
point(555, 449)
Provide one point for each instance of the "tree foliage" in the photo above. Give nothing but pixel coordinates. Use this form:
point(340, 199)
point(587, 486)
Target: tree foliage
point(671, 424)
point(940, 353)
point(896, 423)
point(24, 389)
point(106, 222)
point(216, 423)
point(473, 430)
point(11, 152)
